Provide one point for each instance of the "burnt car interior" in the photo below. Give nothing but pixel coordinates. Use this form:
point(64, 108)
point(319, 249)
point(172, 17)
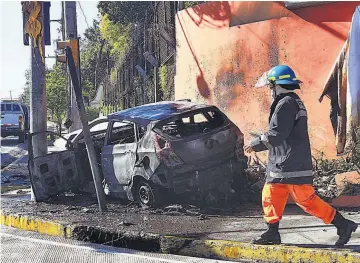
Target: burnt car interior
point(193, 123)
point(121, 134)
point(98, 133)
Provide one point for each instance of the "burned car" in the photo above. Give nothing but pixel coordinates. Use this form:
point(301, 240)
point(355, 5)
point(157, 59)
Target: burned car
point(168, 147)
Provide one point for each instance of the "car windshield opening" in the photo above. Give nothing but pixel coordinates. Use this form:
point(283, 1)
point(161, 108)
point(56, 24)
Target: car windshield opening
point(16, 107)
point(191, 124)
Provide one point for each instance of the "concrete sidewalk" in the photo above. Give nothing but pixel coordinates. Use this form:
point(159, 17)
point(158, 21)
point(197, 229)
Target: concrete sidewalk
point(305, 238)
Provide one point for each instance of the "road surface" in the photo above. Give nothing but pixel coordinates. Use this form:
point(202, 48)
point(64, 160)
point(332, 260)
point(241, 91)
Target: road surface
point(11, 150)
point(19, 246)
point(8, 144)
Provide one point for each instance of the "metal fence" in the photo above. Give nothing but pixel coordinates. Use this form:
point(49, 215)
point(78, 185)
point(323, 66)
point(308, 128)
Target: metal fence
point(134, 80)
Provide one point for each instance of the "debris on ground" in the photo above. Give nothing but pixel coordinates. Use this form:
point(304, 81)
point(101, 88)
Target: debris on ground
point(122, 223)
point(203, 217)
point(86, 210)
point(325, 172)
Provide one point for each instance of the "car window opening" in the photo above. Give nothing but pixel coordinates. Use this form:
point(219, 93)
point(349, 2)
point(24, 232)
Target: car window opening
point(16, 108)
point(141, 131)
point(122, 134)
point(8, 107)
point(193, 124)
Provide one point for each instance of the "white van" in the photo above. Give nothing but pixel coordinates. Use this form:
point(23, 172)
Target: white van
point(14, 120)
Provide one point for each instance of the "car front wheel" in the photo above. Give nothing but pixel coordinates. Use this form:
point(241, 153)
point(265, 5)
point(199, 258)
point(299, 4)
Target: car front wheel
point(146, 194)
point(22, 137)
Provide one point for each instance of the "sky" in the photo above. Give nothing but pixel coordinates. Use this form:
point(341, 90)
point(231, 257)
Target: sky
point(14, 56)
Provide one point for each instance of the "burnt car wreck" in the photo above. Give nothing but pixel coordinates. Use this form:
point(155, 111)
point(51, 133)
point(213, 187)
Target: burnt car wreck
point(148, 151)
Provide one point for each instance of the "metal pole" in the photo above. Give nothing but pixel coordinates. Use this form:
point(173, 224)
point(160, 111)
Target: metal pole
point(86, 131)
point(67, 76)
point(71, 33)
point(145, 47)
point(155, 83)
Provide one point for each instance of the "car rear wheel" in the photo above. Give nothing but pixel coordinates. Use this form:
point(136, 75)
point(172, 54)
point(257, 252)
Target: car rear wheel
point(146, 194)
point(22, 137)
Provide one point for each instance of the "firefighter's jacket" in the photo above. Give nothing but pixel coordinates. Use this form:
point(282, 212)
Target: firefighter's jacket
point(287, 141)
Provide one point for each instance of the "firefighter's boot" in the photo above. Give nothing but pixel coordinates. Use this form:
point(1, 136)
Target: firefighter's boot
point(270, 236)
point(345, 228)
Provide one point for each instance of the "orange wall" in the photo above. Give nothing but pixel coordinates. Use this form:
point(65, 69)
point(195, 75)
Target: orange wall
point(223, 47)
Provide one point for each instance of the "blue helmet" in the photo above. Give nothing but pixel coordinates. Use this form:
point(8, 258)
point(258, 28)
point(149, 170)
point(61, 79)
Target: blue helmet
point(283, 74)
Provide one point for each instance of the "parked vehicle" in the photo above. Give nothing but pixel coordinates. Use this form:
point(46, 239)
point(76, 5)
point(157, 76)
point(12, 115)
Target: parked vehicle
point(178, 147)
point(14, 120)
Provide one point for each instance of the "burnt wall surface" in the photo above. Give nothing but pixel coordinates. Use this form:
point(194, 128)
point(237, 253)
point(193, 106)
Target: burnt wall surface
point(224, 47)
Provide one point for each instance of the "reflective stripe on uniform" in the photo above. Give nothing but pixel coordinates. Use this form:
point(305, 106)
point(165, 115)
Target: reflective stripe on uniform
point(301, 113)
point(264, 139)
point(291, 174)
point(284, 77)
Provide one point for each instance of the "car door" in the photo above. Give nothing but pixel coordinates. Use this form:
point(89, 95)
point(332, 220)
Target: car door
point(118, 156)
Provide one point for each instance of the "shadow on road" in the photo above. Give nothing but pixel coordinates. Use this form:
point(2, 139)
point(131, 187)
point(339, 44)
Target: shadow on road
point(9, 142)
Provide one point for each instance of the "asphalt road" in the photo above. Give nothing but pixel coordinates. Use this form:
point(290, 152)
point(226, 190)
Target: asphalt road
point(8, 144)
point(22, 247)
point(11, 149)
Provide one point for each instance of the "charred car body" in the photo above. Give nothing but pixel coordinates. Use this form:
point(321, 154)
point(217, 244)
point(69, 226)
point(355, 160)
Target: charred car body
point(152, 149)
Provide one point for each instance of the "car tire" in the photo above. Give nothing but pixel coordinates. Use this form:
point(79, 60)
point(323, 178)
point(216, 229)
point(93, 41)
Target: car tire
point(22, 137)
point(146, 194)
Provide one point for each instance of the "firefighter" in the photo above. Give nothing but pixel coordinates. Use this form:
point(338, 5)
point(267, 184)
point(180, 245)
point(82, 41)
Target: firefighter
point(289, 168)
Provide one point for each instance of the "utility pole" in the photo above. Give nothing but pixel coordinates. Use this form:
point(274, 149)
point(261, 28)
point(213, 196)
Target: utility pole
point(36, 26)
point(10, 94)
point(71, 33)
point(33, 14)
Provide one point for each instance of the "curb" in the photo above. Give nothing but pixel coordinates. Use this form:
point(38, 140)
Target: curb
point(232, 250)
point(215, 249)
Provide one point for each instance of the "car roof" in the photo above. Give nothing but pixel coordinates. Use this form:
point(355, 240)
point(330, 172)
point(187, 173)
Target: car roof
point(145, 114)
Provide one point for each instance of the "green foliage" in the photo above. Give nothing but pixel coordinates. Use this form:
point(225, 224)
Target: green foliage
point(92, 113)
point(124, 12)
point(150, 87)
point(113, 74)
point(188, 4)
point(25, 95)
point(324, 167)
point(56, 94)
point(107, 109)
point(117, 35)
point(164, 83)
point(87, 88)
point(93, 60)
point(137, 83)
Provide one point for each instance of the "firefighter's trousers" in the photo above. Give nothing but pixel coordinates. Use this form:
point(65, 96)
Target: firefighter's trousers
point(274, 199)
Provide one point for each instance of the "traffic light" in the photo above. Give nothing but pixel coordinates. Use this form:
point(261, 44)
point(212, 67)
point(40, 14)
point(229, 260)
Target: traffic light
point(74, 45)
